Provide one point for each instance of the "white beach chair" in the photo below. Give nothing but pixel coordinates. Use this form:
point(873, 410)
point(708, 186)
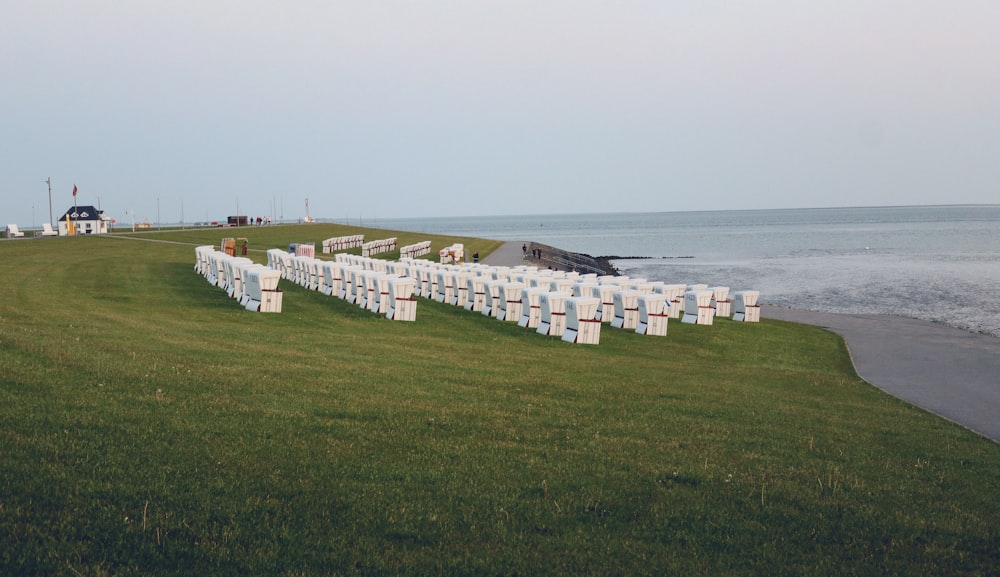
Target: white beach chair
point(675, 298)
point(531, 307)
point(626, 306)
point(201, 258)
point(328, 274)
point(234, 271)
point(510, 301)
point(475, 289)
point(402, 304)
point(491, 298)
point(352, 277)
point(563, 284)
point(581, 326)
point(316, 275)
point(652, 315)
point(445, 286)
point(262, 290)
point(553, 318)
point(370, 279)
point(606, 307)
point(382, 293)
point(721, 305)
point(698, 307)
point(747, 309)
point(244, 294)
point(460, 282)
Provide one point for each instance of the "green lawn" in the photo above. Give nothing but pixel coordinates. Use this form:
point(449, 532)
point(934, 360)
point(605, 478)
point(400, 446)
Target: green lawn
point(150, 425)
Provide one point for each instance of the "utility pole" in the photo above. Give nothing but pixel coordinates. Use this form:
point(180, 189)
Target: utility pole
point(49, 182)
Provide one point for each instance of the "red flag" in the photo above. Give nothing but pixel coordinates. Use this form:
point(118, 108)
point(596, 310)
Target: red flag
point(74, 190)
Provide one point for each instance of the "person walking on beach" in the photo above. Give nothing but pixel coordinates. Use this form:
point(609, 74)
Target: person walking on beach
point(524, 250)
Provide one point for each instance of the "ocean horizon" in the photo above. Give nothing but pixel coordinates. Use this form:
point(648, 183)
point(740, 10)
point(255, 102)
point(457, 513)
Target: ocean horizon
point(935, 263)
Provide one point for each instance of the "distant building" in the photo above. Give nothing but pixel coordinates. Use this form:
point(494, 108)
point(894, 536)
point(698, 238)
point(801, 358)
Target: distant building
point(84, 220)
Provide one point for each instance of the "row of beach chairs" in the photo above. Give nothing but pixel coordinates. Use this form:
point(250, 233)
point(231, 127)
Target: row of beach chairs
point(302, 249)
point(571, 306)
point(372, 284)
point(375, 247)
point(575, 306)
point(339, 243)
point(13, 231)
point(414, 250)
point(568, 305)
point(253, 285)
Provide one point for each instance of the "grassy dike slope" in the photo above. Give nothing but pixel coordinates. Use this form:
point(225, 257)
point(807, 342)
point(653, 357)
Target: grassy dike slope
point(152, 426)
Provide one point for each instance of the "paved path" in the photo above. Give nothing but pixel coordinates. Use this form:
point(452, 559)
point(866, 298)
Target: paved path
point(509, 254)
point(947, 371)
point(950, 372)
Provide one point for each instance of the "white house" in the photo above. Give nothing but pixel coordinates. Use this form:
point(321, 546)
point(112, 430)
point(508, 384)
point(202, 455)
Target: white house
point(83, 220)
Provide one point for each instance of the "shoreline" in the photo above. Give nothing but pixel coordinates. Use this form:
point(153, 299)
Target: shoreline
point(944, 370)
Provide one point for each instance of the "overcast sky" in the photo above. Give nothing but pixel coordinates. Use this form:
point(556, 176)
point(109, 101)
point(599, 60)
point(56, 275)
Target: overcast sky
point(395, 108)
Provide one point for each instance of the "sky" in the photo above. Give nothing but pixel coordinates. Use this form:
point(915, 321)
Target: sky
point(167, 109)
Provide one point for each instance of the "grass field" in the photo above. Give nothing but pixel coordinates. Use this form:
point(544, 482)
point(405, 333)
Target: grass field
point(151, 426)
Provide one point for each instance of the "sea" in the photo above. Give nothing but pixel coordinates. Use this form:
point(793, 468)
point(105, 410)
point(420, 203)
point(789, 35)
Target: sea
point(935, 263)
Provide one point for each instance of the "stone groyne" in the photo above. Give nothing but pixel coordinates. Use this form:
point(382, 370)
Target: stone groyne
point(544, 256)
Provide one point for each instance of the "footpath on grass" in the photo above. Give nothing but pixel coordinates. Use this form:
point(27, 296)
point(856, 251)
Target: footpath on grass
point(952, 373)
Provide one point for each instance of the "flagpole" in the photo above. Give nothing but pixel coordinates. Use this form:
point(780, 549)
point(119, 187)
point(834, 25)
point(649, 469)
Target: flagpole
point(49, 182)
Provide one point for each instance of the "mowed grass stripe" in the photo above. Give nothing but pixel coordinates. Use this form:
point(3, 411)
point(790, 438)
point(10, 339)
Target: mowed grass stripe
point(150, 425)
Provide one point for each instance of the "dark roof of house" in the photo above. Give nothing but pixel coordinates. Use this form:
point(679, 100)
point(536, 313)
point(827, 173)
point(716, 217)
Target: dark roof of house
point(81, 213)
